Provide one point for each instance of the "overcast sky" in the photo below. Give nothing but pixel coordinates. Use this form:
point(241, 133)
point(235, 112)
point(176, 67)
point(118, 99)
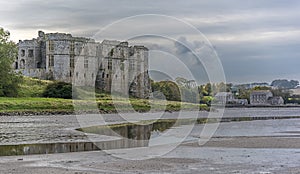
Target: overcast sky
point(256, 40)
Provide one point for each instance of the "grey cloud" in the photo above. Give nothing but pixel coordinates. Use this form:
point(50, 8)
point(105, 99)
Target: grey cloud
point(243, 60)
point(180, 48)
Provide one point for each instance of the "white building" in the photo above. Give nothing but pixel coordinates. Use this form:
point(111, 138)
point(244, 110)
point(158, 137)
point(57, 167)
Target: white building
point(224, 97)
point(260, 97)
point(265, 97)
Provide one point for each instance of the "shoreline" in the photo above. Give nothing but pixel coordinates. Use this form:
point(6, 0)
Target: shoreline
point(69, 112)
point(262, 106)
point(244, 152)
point(49, 113)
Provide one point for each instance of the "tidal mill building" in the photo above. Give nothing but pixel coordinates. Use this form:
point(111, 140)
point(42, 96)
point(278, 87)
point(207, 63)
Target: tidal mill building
point(111, 66)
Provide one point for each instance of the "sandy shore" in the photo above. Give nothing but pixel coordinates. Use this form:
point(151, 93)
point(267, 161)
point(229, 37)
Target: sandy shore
point(263, 147)
point(184, 159)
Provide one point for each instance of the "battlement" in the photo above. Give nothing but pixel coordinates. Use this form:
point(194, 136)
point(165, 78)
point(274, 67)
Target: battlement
point(111, 42)
point(28, 42)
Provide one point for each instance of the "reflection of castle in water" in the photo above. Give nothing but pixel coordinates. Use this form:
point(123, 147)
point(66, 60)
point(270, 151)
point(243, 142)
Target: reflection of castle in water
point(132, 132)
point(130, 136)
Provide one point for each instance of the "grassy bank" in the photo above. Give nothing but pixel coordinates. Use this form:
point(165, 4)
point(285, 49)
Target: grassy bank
point(32, 105)
point(31, 102)
point(33, 87)
point(28, 106)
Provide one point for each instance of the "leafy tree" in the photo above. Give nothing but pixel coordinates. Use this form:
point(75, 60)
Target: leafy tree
point(208, 89)
point(285, 84)
point(285, 94)
point(9, 80)
point(261, 88)
point(229, 87)
point(170, 90)
point(244, 94)
point(206, 100)
point(294, 83)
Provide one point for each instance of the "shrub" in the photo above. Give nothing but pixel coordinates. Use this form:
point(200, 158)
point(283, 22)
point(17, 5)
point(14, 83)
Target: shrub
point(58, 90)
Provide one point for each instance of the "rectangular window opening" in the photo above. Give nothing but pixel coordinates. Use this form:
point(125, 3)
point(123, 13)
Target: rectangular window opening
point(51, 60)
point(30, 53)
point(72, 61)
point(86, 62)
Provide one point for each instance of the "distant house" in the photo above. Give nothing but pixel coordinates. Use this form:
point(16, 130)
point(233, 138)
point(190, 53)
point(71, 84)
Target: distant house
point(265, 97)
point(260, 97)
point(228, 98)
point(224, 97)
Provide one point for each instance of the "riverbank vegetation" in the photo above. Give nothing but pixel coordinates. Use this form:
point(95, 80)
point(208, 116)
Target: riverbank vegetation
point(49, 106)
point(37, 97)
point(9, 80)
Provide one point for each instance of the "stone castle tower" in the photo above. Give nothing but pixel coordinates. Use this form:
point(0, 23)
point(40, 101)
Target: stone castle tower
point(111, 66)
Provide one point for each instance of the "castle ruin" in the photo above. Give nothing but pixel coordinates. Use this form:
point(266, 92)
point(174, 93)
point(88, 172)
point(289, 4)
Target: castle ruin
point(111, 66)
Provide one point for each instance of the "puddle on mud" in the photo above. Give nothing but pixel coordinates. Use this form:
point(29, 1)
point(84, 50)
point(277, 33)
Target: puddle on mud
point(143, 130)
point(138, 131)
point(136, 135)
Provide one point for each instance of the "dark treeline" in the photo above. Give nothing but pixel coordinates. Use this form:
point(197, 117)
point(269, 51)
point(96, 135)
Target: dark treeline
point(184, 91)
point(181, 90)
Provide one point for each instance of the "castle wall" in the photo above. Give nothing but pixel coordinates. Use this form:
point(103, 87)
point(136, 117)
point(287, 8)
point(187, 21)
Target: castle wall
point(61, 69)
point(87, 65)
point(110, 65)
point(36, 73)
point(28, 55)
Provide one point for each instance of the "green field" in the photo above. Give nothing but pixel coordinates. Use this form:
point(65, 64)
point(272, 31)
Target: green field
point(32, 87)
point(34, 104)
point(65, 106)
point(30, 101)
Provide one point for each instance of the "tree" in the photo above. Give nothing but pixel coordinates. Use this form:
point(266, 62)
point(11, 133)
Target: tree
point(285, 84)
point(206, 100)
point(168, 88)
point(243, 92)
point(208, 89)
point(261, 88)
point(9, 80)
point(294, 83)
point(285, 94)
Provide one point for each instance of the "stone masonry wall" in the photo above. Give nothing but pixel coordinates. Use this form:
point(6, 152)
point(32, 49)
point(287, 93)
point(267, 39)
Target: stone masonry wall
point(111, 66)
